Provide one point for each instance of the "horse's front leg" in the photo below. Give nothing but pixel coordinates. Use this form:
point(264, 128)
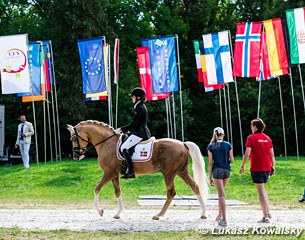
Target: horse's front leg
point(170, 194)
point(104, 180)
point(117, 191)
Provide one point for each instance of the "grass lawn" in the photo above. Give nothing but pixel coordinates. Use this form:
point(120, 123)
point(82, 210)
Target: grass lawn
point(71, 182)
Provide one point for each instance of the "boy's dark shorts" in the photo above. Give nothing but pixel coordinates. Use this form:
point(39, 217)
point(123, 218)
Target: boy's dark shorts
point(260, 177)
point(221, 173)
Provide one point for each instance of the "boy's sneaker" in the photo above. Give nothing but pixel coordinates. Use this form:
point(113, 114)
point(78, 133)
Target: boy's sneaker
point(264, 220)
point(222, 223)
point(269, 215)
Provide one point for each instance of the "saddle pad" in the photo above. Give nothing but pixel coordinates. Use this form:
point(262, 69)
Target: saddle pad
point(143, 150)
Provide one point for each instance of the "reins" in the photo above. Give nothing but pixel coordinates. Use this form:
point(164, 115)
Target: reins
point(84, 150)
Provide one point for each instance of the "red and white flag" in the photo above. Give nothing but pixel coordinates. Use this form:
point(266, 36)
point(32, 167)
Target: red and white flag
point(145, 75)
point(247, 49)
point(116, 61)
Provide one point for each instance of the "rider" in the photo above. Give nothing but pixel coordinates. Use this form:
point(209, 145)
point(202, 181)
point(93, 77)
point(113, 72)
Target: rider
point(138, 128)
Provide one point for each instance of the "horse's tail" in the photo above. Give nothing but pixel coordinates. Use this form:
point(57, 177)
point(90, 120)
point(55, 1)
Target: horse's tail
point(198, 167)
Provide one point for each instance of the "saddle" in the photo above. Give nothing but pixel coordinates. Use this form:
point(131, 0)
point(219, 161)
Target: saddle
point(142, 152)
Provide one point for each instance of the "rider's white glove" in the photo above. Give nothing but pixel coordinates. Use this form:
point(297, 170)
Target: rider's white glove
point(118, 131)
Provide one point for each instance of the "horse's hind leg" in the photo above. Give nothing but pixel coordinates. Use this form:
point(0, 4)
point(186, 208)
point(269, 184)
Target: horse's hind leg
point(170, 194)
point(97, 190)
point(117, 191)
point(184, 174)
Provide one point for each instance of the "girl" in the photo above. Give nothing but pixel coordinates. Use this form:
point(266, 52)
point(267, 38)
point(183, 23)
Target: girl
point(220, 156)
point(138, 128)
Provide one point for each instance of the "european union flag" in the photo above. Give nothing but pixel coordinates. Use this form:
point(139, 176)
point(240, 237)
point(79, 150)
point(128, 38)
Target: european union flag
point(163, 64)
point(92, 64)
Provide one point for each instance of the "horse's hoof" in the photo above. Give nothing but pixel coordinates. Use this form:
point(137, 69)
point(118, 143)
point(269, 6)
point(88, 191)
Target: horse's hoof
point(101, 212)
point(203, 217)
point(116, 217)
point(155, 218)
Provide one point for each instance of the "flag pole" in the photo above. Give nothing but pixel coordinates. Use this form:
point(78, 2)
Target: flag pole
point(47, 105)
point(167, 117)
point(226, 111)
point(220, 107)
point(259, 97)
point(170, 117)
point(53, 110)
point(174, 116)
point(44, 131)
point(230, 118)
point(301, 79)
point(35, 129)
point(109, 82)
point(237, 102)
point(180, 87)
point(56, 102)
point(283, 120)
point(116, 64)
point(294, 114)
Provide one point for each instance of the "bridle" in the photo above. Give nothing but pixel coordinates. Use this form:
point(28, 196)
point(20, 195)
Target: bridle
point(81, 151)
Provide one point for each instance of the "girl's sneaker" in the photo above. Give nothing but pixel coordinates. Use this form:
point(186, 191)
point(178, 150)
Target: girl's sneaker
point(222, 223)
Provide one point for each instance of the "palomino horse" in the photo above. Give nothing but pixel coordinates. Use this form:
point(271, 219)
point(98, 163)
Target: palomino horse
point(170, 157)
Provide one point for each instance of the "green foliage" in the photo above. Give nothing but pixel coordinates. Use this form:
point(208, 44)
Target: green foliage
point(64, 22)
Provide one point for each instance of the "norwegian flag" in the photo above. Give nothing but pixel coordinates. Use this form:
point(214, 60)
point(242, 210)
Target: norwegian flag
point(247, 49)
point(145, 75)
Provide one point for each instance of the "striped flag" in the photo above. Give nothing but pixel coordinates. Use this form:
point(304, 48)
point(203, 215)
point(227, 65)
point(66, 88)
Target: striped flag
point(247, 49)
point(201, 67)
point(218, 58)
point(296, 29)
point(116, 56)
point(274, 43)
point(198, 60)
point(145, 75)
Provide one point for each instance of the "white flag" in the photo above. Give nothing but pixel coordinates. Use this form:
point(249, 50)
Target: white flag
point(15, 77)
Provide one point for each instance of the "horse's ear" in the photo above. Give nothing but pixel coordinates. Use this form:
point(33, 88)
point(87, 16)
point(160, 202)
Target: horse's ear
point(70, 128)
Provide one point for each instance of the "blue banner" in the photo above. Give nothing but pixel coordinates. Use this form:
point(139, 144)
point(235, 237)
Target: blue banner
point(92, 64)
point(34, 59)
point(162, 53)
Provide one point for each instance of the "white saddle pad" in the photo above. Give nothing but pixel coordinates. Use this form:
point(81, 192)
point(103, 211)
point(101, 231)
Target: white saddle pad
point(143, 150)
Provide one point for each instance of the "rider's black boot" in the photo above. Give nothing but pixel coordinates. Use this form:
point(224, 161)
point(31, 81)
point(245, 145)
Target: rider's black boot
point(130, 173)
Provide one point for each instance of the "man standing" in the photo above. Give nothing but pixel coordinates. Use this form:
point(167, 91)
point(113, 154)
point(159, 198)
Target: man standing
point(25, 131)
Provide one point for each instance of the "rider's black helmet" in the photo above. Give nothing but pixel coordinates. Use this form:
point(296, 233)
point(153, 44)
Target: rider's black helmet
point(138, 92)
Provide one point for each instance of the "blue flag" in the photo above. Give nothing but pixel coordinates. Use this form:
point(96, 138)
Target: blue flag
point(92, 64)
point(163, 65)
point(34, 69)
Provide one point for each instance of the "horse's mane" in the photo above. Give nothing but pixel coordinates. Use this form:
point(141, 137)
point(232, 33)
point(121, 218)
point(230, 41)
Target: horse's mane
point(95, 122)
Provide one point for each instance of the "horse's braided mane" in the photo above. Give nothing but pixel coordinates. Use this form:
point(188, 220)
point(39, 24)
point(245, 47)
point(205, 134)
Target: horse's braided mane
point(95, 122)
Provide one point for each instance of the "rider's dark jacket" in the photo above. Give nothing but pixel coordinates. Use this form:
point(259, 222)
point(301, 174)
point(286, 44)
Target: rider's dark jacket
point(138, 126)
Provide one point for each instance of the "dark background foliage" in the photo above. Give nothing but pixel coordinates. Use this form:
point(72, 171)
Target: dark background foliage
point(64, 22)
